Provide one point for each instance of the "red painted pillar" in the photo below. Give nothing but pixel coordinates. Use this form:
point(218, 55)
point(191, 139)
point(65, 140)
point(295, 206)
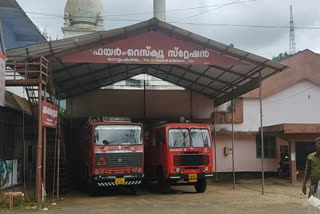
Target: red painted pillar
point(293, 165)
point(39, 149)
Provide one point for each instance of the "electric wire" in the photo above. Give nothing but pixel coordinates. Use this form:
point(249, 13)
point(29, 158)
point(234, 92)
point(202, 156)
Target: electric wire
point(249, 26)
point(208, 11)
point(217, 6)
point(144, 13)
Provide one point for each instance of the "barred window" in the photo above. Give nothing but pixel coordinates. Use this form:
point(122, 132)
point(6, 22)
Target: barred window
point(270, 146)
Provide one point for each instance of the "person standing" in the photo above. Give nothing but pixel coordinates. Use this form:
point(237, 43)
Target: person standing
point(312, 170)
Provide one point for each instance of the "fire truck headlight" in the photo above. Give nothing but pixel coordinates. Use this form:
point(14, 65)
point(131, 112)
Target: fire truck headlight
point(97, 171)
point(206, 169)
point(102, 171)
point(139, 170)
point(177, 170)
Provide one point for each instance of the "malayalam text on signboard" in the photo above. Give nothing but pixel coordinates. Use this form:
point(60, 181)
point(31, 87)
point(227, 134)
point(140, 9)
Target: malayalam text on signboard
point(49, 115)
point(151, 48)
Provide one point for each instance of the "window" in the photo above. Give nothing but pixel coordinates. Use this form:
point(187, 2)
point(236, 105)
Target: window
point(111, 135)
point(200, 138)
point(270, 146)
point(179, 138)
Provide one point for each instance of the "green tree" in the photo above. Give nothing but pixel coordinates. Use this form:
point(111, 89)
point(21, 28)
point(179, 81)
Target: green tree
point(281, 56)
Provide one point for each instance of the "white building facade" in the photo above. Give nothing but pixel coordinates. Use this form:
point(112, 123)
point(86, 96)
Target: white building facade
point(291, 98)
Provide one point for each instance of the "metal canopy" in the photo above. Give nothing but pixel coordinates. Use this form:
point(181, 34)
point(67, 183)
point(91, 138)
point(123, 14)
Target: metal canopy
point(221, 83)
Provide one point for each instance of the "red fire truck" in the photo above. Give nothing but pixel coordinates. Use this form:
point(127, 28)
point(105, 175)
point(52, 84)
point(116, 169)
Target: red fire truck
point(179, 154)
point(113, 152)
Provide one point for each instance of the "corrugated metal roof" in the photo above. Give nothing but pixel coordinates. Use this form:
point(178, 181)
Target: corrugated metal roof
point(221, 83)
point(17, 103)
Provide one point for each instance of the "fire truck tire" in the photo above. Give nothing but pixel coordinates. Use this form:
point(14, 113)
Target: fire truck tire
point(92, 189)
point(163, 184)
point(138, 189)
point(201, 185)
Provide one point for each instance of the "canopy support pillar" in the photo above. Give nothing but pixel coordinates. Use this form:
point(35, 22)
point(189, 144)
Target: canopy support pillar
point(261, 133)
point(233, 170)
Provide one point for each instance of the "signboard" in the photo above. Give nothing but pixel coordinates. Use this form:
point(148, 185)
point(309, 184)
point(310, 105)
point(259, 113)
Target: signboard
point(151, 48)
point(49, 115)
point(2, 79)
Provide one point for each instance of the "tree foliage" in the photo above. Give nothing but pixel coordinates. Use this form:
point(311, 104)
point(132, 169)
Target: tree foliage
point(281, 56)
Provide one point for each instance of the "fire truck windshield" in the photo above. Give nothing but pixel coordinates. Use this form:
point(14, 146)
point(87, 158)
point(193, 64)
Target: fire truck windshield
point(200, 138)
point(179, 138)
point(112, 135)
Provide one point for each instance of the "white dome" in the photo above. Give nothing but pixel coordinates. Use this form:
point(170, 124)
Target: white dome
point(84, 12)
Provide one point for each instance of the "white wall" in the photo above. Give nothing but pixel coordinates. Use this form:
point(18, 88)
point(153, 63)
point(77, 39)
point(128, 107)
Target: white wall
point(244, 154)
point(299, 104)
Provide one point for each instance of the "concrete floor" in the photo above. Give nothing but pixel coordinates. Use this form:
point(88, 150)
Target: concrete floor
point(280, 198)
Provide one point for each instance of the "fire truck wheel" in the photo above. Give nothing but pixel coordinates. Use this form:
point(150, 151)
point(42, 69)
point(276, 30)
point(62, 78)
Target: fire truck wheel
point(201, 185)
point(92, 190)
point(163, 184)
point(138, 189)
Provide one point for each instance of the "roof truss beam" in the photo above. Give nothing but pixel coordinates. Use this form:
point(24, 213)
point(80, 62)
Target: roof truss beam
point(157, 75)
point(204, 75)
point(95, 72)
point(95, 87)
point(182, 78)
point(102, 79)
point(249, 74)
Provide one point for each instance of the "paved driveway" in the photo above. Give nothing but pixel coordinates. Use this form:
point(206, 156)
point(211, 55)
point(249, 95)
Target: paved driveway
point(280, 198)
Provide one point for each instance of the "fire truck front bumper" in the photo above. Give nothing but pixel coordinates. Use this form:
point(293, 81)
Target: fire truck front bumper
point(118, 180)
point(187, 177)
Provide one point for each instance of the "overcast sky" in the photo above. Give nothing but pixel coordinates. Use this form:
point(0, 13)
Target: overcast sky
point(266, 42)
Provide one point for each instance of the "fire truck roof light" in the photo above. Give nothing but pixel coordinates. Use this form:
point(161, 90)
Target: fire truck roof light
point(116, 119)
point(182, 119)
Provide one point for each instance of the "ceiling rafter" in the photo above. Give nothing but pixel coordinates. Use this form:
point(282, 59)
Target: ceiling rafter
point(253, 72)
point(94, 88)
point(90, 81)
point(98, 71)
point(170, 70)
point(204, 75)
point(183, 86)
point(177, 76)
point(184, 74)
point(201, 75)
point(249, 73)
